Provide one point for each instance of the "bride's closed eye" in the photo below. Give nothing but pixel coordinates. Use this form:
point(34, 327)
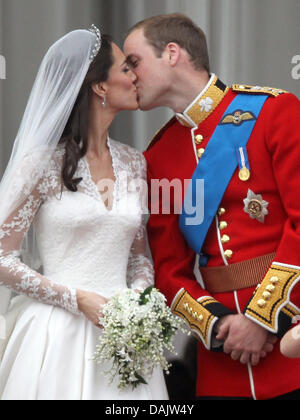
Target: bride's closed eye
point(125, 69)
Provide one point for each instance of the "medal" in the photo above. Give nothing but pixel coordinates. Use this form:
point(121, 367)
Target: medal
point(244, 173)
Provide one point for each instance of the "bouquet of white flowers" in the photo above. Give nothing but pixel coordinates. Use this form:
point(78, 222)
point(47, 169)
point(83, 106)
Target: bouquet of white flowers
point(137, 330)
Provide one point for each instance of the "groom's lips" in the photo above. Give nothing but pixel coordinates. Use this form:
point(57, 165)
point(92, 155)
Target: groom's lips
point(137, 94)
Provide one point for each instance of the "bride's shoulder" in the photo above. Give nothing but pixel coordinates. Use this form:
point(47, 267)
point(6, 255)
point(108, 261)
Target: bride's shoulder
point(40, 159)
point(56, 158)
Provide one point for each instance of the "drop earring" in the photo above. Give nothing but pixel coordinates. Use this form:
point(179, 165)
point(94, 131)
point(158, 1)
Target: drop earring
point(104, 101)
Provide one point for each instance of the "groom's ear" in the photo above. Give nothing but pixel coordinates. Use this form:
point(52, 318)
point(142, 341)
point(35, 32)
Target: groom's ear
point(173, 52)
point(99, 89)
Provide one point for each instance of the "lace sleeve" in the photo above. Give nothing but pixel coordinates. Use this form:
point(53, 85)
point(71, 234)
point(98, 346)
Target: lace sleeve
point(18, 276)
point(140, 273)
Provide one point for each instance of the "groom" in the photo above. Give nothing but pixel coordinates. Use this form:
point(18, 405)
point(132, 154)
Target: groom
point(243, 141)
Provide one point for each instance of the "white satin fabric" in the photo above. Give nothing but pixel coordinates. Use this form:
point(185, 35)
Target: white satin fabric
point(49, 345)
point(48, 357)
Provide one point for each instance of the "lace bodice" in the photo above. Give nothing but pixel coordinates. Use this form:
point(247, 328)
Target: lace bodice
point(82, 244)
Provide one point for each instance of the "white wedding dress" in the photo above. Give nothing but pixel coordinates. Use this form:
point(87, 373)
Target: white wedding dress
point(82, 245)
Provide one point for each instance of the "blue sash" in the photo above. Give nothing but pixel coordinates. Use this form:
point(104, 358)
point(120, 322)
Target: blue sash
point(217, 167)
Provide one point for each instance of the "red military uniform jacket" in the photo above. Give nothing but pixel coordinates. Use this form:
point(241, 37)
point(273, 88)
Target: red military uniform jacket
point(274, 157)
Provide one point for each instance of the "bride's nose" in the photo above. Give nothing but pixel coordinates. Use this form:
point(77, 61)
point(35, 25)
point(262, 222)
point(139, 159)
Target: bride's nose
point(133, 76)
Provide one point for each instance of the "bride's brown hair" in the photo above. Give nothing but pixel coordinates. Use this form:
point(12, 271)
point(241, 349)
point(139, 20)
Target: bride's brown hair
point(74, 137)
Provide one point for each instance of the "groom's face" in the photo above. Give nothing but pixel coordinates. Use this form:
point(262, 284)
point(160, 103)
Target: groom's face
point(151, 71)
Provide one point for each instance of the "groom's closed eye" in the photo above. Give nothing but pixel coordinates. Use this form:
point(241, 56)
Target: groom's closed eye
point(132, 61)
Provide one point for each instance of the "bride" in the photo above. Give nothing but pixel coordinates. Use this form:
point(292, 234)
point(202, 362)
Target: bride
point(64, 195)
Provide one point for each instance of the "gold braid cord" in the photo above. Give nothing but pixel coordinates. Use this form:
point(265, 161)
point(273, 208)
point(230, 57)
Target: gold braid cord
point(273, 296)
point(195, 314)
point(261, 90)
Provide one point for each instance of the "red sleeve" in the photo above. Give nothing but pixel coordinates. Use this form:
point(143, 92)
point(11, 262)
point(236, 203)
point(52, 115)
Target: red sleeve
point(174, 263)
point(277, 300)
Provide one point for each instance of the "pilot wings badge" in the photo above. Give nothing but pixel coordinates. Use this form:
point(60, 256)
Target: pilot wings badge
point(238, 117)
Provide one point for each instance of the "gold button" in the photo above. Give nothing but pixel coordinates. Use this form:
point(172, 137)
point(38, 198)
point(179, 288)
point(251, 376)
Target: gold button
point(199, 139)
point(228, 254)
point(262, 303)
point(200, 318)
point(195, 315)
point(225, 239)
point(200, 152)
point(223, 225)
point(270, 288)
point(267, 295)
point(274, 280)
point(221, 211)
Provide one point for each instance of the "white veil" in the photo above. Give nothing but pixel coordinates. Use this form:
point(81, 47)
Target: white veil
point(51, 101)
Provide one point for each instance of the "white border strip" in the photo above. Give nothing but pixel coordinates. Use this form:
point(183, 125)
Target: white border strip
point(176, 296)
point(250, 372)
point(294, 307)
point(184, 115)
point(200, 95)
point(296, 267)
point(210, 331)
point(197, 272)
point(220, 242)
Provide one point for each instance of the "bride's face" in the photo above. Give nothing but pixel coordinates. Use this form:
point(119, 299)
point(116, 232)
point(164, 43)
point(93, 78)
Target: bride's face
point(121, 89)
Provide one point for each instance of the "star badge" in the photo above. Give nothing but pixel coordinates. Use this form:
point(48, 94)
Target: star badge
point(255, 206)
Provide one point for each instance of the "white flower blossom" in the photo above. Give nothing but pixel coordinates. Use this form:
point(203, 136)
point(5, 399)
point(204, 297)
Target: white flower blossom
point(137, 331)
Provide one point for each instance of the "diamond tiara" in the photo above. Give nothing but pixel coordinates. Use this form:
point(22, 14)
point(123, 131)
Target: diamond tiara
point(98, 44)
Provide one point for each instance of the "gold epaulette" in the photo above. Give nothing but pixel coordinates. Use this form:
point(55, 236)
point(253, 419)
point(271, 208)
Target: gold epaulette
point(272, 297)
point(199, 318)
point(258, 90)
point(160, 132)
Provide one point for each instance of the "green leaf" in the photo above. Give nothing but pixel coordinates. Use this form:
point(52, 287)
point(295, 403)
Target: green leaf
point(140, 379)
point(144, 296)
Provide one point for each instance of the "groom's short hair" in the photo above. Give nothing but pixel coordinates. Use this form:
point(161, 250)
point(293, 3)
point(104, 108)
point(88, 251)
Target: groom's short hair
point(176, 27)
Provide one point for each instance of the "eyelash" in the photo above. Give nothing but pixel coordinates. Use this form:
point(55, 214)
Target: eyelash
point(134, 64)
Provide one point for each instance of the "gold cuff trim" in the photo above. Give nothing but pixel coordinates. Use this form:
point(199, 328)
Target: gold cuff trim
point(272, 295)
point(291, 311)
point(199, 319)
